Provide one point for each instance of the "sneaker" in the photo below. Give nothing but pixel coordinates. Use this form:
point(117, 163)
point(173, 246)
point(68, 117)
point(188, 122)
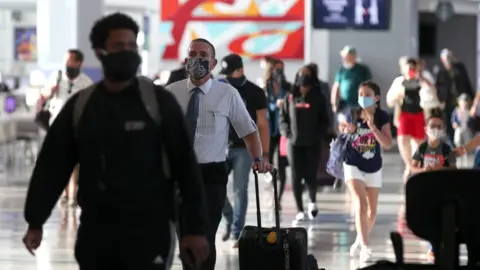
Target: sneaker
point(226, 234)
point(312, 210)
point(355, 248)
point(365, 254)
point(300, 216)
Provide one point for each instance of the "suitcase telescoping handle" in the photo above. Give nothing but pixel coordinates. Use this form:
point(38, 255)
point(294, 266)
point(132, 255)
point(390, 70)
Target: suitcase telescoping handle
point(273, 172)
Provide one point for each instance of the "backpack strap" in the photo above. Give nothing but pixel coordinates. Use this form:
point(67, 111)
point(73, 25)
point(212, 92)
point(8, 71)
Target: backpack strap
point(422, 149)
point(79, 106)
point(149, 98)
point(446, 150)
point(150, 101)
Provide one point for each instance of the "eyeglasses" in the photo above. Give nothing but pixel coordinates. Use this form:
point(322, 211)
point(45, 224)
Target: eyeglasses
point(435, 126)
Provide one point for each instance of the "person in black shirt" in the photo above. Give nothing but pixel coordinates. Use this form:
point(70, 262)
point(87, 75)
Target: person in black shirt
point(304, 122)
point(125, 195)
point(239, 159)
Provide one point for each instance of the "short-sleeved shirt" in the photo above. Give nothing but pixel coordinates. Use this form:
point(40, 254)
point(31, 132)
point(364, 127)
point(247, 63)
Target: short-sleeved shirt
point(255, 99)
point(363, 151)
point(349, 79)
point(435, 156)
point(220, 105)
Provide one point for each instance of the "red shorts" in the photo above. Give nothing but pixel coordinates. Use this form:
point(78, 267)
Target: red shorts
point(411, 124)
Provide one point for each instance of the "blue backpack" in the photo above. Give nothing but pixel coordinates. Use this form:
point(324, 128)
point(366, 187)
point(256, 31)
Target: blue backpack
point(338, 147)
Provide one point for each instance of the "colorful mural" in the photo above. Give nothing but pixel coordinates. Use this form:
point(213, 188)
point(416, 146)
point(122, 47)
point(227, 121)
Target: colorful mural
point(250, 28)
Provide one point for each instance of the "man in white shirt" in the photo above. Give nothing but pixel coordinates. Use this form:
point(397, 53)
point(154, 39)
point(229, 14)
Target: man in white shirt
point(211, 107)
point(60, 87)
point(64, 83)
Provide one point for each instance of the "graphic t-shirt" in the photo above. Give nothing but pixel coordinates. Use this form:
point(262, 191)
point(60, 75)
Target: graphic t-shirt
point(364, 150)
point(439, 156)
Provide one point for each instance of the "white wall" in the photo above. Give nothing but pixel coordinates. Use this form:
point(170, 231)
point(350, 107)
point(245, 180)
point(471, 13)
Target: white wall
point(152, 5)
point(7, 26)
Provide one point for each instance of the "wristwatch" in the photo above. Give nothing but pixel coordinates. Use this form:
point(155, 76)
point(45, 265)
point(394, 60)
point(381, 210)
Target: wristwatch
point(258, 159)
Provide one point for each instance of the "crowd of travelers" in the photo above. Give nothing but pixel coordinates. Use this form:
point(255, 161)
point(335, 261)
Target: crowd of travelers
point(151, 161)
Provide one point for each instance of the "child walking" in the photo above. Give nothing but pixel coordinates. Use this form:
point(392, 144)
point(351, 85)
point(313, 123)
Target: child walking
point(370, 130)
point(434, 154)
point(460, 123)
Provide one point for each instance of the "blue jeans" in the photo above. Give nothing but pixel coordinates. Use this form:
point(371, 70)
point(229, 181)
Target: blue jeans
point(240, 162)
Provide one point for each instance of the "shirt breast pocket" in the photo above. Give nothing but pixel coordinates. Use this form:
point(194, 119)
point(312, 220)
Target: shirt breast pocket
point(213, 121)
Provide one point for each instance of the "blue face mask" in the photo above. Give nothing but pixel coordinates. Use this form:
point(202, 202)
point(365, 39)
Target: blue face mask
point(366, 102)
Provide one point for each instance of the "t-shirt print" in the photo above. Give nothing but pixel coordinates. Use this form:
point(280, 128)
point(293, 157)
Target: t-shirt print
point(433, 160)
point(364, 142)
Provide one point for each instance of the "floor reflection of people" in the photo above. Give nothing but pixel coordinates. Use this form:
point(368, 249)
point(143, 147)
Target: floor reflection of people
point(68, 219)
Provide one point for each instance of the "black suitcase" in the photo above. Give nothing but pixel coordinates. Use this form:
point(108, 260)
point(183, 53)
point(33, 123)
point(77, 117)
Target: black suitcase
point(272, 248)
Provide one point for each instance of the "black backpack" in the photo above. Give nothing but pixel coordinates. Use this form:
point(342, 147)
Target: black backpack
point(446, 150)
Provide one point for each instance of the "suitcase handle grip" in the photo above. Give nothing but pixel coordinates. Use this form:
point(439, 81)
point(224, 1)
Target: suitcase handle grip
point(273, 172)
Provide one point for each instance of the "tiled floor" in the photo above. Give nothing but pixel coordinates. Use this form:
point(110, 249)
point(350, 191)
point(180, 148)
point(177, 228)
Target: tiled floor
point(330, 236)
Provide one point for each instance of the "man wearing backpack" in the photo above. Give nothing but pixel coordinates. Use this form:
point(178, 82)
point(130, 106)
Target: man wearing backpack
point(130, 140)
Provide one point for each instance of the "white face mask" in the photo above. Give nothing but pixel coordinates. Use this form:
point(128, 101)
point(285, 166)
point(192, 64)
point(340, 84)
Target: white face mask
point(435, 133)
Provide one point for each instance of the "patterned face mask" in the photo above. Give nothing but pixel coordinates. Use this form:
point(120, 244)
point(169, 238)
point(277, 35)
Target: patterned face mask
point(198, 68)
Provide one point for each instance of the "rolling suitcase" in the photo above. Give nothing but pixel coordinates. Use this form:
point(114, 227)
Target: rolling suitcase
point(272, 248)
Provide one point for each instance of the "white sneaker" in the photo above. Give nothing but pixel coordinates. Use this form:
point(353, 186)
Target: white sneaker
point(300, 216)
point(312, 210)
point(355, 248)
point(365, 254)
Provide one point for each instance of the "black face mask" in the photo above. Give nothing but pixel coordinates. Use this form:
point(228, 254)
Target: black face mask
point(236, 82)
point(121, 66)
point(278, 76)
point(72, 72)
point(305, 81)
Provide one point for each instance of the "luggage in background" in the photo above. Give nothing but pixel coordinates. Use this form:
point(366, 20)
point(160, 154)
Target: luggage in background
point(274, 248)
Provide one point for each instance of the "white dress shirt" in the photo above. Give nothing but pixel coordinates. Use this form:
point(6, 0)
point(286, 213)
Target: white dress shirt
point(220, 105)
point(66, 89)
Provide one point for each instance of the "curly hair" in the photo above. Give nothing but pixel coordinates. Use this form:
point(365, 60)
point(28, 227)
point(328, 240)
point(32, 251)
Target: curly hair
point(102, 28)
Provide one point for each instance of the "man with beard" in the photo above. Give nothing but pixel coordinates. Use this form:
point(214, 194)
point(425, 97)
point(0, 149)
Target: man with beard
point(129, 163)
point(211, 107)
point(239, 160)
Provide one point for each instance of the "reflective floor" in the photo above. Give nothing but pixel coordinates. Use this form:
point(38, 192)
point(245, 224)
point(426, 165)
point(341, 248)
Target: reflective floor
point(330, 236)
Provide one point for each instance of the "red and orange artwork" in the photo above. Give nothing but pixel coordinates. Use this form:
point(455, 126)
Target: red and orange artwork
point(250, 28)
